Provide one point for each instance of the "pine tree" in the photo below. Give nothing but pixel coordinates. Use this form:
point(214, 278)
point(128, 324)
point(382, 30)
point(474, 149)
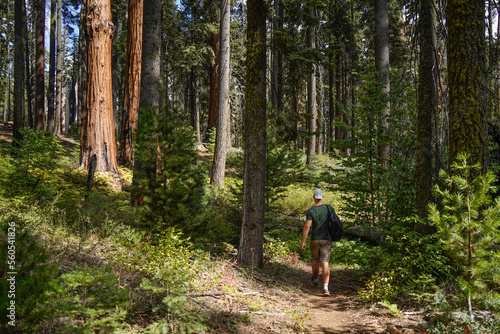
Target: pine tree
point(468, 227)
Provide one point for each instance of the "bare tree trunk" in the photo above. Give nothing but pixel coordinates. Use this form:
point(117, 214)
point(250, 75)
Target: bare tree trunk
point(132, 82)
point(40, 67)
point(382, 66)
point(149, 92)
point(427, 104)
point(250, 251)
point(59, 124)
point(29, 78)
point(19, 54)
point(98, 134)
point(6, 106)
point(218, 171)
point(214, 80)
point(52, 68)
point(311, 95)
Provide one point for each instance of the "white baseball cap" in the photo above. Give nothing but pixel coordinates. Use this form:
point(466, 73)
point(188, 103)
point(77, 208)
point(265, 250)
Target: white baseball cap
point(318, 194)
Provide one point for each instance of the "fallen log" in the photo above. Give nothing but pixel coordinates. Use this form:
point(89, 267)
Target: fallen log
point(358, 232)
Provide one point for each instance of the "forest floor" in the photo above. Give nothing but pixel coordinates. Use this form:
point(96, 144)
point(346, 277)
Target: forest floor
point(278, 299)
point(341, 312)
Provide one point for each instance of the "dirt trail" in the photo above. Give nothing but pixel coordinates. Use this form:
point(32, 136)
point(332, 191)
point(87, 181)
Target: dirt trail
point(344, 312)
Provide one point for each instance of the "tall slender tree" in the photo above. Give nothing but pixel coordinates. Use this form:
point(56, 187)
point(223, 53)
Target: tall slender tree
point(132, 81)
point(252, 230)
point(427, 104)
point(382, 67)
point(59, 124)
point(19, 54)
point(52, 68)
point(467, 80)
point(312, 109)
point(221, 141)
point(40, 67)
point(98, 133)
point(150, 97)
point(213, 104)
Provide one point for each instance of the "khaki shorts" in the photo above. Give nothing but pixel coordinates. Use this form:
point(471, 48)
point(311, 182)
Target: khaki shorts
point(321, 250)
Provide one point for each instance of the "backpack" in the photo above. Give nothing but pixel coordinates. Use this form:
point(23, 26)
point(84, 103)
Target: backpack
point(335, 228)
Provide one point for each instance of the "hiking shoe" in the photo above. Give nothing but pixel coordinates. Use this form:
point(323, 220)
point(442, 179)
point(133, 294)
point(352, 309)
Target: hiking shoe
point(314, 281)
point(326, 292)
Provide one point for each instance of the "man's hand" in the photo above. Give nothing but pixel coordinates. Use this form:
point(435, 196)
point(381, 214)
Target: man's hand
point(303, 246)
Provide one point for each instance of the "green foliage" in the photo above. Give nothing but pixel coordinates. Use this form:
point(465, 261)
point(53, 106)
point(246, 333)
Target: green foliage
point(212, 134)
point(467, 223)
point(283, 168)
point(374, 196)
point(378, 288)
point(461, 323)
point(33, 157)
point(170, 261)
point(33, 278)
point(92, 299)
point(170, 176)
point(417, 262)
point(354, 253)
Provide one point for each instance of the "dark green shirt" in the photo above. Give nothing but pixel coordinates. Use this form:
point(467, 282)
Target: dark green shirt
point(319, 228)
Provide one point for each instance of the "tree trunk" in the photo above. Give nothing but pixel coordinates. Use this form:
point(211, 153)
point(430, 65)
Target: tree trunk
point(214, 79)
point(19, 54)
point(382, 67)
point(29, 78)
point(252, 229)
point(311, 95)
point(40, 67)
point(98, 133)
point(6, 106)
point(82, 66)
point(426, 107)
point(150, 97)
point(52, 68)
point(467, 80)
point(132, 82)
point(221, 140)
point(59, 124)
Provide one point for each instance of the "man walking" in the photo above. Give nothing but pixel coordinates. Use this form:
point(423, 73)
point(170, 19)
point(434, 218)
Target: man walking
point(321, 247)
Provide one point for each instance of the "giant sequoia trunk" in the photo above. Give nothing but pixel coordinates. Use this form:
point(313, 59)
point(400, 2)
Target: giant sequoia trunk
point(221, 140)
point(426, 106)
point(252, 229)
point(467, 80)
point(98, 134)
point(132, 81)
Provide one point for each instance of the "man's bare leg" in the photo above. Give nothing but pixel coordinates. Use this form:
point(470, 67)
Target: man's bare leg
point(315, 269)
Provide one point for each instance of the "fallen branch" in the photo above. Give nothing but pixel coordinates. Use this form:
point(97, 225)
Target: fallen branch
point(209, 294)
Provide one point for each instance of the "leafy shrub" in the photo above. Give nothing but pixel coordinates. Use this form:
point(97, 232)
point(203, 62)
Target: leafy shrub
point(354, 253)
point(378, 288)
point(415, 261)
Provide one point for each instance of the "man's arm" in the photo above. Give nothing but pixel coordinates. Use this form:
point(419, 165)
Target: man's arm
point(305, 232)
